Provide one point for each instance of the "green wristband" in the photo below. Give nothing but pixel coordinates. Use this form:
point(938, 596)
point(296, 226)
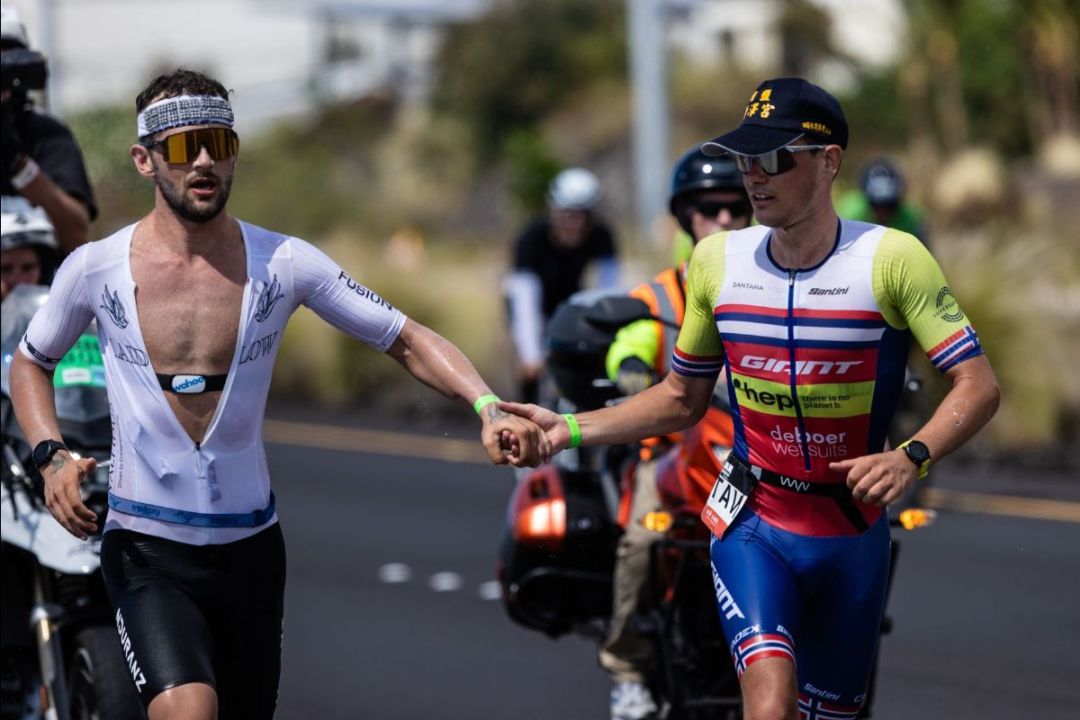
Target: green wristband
point(483, 401)
point(575, 430)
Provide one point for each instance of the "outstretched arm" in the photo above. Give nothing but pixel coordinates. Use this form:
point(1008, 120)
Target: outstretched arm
point(674, 403)
point(439, 364)
point(966, 408)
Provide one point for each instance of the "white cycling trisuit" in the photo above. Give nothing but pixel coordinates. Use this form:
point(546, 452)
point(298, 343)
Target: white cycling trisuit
point(155, 463)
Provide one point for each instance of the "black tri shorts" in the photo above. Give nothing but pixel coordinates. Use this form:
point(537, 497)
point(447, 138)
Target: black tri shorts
point(200, 613)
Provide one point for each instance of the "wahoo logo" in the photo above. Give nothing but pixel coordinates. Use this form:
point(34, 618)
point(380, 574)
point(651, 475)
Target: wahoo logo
point(728, 606)
point(829, 291)
point(802, 367)
point(188, 384)
point(129, 653)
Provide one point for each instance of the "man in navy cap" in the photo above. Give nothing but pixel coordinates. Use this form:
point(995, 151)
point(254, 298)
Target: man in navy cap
point(812, 318)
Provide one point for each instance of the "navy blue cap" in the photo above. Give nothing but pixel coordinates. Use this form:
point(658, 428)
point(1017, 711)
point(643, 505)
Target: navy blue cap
point(779, 112)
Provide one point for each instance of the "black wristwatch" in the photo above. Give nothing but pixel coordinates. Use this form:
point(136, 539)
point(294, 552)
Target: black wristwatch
point(918, 453)
point(44, 451)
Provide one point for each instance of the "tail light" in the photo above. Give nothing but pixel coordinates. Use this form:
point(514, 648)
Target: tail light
point(538, 510)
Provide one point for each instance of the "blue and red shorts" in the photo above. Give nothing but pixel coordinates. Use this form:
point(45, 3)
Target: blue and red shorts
point(817, 601)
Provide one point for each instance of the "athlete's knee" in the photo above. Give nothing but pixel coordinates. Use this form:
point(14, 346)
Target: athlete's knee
point(769, 690)
point(190, 701)
point(770, 708)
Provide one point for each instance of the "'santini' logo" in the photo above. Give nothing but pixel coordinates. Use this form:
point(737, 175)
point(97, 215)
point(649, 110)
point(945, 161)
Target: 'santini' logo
point(112, 305)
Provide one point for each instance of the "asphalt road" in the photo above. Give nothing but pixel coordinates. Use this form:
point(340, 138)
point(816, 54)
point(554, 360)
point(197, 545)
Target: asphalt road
point(390, 611)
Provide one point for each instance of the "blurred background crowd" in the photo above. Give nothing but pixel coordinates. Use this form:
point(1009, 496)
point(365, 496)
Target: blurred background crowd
point(413, 138)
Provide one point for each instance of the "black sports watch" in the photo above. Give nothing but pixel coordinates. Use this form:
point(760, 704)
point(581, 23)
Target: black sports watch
point(44, 451)
point(918, 453)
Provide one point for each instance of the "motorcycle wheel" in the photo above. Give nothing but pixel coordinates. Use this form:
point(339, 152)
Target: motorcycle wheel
point(99, 683)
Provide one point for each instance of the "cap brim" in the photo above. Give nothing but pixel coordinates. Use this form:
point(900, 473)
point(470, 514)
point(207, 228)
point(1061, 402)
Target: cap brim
point(750, 140)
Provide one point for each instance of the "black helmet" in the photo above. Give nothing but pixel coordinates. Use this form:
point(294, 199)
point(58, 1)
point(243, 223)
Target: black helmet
point(697, 171)
point(882, 183)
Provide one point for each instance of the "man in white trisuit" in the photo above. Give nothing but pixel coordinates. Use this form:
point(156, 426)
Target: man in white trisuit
point(191, 305)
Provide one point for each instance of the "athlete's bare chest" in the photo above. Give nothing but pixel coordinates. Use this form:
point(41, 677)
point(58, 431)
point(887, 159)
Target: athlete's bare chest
point(190, 314)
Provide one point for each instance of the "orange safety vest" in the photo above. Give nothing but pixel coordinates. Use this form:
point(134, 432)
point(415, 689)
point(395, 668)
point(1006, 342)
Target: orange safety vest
point(665, 295)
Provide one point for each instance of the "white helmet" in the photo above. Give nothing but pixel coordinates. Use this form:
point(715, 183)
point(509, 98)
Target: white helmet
point(24, 225)
point(574, 189)
point(11, 26)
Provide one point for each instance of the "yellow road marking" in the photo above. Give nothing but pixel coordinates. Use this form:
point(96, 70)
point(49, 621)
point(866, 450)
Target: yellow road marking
point(333, 437)
point(1061, 510)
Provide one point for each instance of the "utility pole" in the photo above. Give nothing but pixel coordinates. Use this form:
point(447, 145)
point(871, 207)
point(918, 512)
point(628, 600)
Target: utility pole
point(46, 33)
point(648, 76)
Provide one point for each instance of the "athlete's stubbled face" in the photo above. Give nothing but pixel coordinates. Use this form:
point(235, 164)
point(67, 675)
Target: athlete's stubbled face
point(783, 200)
point(196, 191)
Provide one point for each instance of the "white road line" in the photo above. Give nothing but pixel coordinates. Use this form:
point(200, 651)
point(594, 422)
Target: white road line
point(490, 590)
point(445, 582)
point(395, 573)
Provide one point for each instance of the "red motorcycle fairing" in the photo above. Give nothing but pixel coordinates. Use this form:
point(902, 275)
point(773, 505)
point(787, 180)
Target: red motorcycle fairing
point(689, 470)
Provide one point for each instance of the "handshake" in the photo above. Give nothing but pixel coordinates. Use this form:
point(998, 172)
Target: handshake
point(521, 435)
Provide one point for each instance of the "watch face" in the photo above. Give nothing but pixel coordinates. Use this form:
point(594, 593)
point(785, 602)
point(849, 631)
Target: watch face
point(917, 452)
point(44, 451)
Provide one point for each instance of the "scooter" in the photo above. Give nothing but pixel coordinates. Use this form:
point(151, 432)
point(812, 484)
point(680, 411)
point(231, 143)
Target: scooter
point(61, 655)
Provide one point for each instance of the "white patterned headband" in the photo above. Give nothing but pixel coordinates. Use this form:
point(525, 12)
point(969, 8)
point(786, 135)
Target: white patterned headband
point(184, 110)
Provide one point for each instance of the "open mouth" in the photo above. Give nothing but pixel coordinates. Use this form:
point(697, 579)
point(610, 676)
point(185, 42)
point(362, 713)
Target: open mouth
point(203, 186)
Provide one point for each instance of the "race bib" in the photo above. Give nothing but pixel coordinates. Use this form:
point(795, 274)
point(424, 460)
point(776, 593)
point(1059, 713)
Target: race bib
point(728, 496)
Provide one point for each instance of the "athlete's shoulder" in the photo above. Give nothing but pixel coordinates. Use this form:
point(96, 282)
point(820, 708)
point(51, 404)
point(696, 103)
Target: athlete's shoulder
point(731, 241)
point(899, 245)
point(262, 241)
point(747, 239)
point(104, 254)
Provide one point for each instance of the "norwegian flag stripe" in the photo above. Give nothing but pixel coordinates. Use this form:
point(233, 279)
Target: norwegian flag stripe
point(696, 366)
point(759, 647)
point(959, 346)
point(811, 708)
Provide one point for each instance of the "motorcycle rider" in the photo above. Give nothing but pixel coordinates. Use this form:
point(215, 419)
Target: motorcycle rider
point(550, 257)
point(881, 199)
point(812, 317)
point(192, 555)
point(28, 252)
point(706, 197)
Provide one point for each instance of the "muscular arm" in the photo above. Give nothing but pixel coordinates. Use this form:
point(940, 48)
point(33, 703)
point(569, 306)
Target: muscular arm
point(33, 398)
point(69, 216)
point(965, 409)
point(675, 403)
point(439, 364)
point(436, 362)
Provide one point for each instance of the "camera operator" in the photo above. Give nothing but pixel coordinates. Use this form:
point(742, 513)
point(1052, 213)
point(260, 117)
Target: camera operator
point(41, 160)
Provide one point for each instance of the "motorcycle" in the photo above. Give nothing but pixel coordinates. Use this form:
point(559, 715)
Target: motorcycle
point(564, 519)
point(61, 657)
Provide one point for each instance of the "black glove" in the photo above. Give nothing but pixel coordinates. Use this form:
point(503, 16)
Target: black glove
point(634, 376)
point(14, 154)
